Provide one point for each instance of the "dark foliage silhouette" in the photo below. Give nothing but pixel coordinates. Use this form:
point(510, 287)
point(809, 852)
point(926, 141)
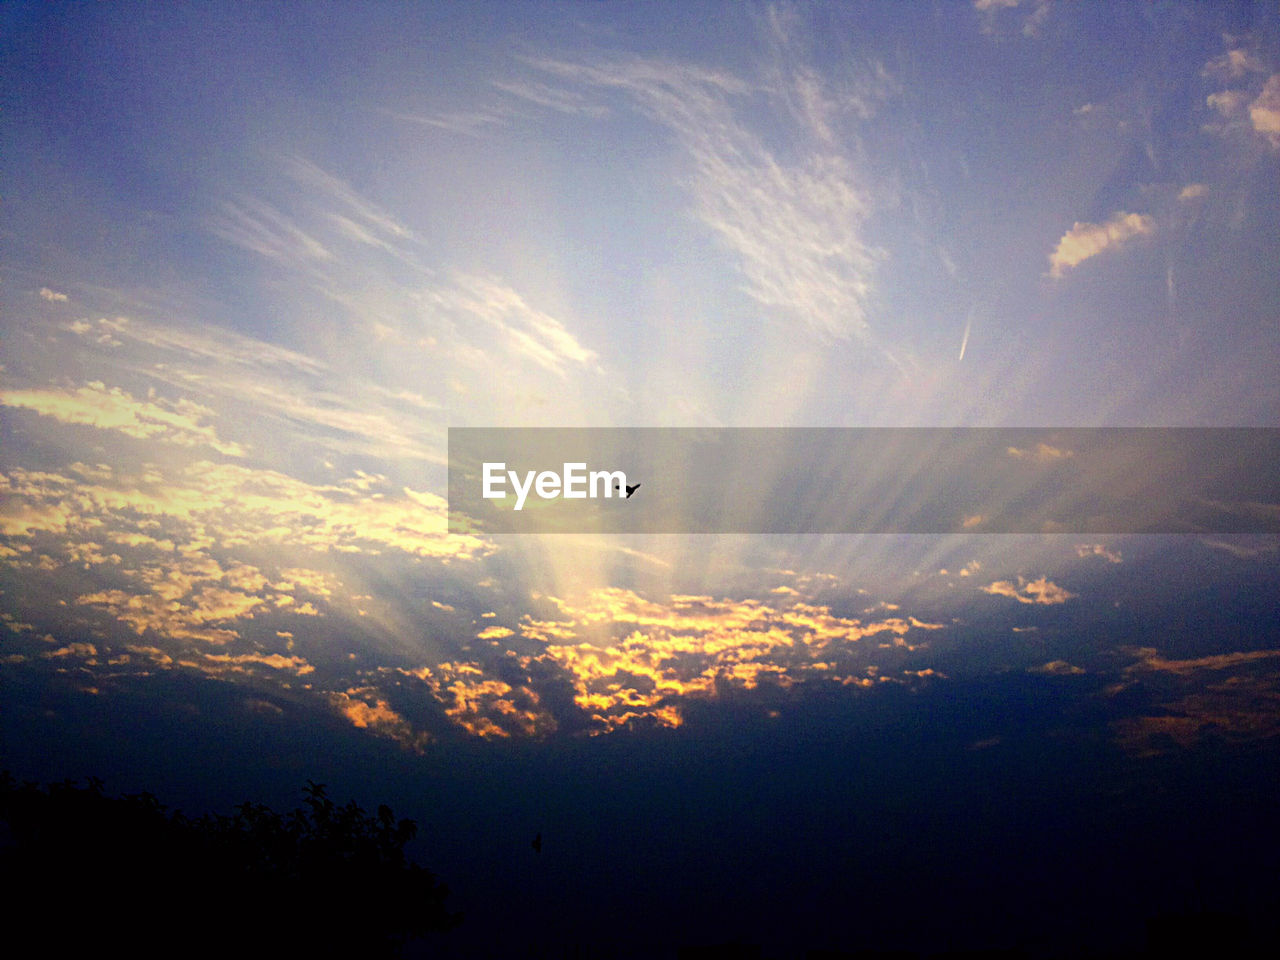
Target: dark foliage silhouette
point(127, 871)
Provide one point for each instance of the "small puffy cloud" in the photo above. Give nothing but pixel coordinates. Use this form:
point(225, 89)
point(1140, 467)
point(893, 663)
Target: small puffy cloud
point(1191, 191)
point(1264, 112)
point(1086, 240)
point(1043, 591)
point(52, 295)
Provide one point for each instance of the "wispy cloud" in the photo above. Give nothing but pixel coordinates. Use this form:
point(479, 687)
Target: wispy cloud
point(1041, 453)
point(526, 331)
point(794, 221)
point(471, 123)
point(559, 99)
point(267, 231)
point(1087, 240)
point(52, 296)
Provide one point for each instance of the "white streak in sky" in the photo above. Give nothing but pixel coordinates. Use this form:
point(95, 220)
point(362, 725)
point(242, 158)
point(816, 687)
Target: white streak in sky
point(965, 341)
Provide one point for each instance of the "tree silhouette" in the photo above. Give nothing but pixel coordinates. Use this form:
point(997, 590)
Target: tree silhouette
point(127, 871)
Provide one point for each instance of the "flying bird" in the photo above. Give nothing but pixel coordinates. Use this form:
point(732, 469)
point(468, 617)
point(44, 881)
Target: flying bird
point(631, 488)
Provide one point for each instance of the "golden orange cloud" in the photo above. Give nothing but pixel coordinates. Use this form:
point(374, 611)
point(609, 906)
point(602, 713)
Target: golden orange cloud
point(1086, 240)
point(1041, 591)
point(110, 408)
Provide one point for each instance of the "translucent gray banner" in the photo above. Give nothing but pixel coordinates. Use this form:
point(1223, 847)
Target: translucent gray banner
point(872, 480)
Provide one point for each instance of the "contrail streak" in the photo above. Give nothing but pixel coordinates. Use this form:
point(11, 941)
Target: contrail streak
point(965, 342)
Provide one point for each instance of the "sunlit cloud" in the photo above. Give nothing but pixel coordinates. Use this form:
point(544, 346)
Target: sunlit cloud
point(1058, 668)
point(658, 654)
point(1041, 453)
point(1264, 112)
point(1151, 660)
point(52, 296)
point(1098, 550)
point(1233, 695)
point(366, 710)
point(1042, 591)
point(110, 408)
point(1087, 240)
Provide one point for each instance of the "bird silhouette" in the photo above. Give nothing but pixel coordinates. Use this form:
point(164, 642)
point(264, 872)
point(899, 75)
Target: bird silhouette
point(537, 843)
point(631, 488)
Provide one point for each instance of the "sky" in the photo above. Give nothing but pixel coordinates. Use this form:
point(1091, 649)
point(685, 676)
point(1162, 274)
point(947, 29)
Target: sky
point(258, 259)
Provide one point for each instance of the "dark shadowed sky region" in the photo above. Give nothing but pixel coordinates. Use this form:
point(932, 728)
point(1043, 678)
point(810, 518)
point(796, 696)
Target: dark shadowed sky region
point(258, 259)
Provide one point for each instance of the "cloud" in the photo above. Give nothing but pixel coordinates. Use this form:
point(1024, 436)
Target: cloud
point(552, 98)
point(792, 220)
point(1058, 668)
point(52, 296)
point(1152, 661)
point(1042, 591)
point(526, 331)
point(267, 231)
point(1232, 65)
point(1264, 112)
point(1098, 550)
point(692, 646)
point(1192, 191)
point(365, 709)
point(261, 380)
point(110, 408)
point(1086, 240)
point(1042, 453)
point(202, 504)
point(1234, 695)
point(1229, 103)
point(469, 123)
point(1028, 25)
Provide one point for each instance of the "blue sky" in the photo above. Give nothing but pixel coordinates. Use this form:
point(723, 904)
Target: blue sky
point(258, 258)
